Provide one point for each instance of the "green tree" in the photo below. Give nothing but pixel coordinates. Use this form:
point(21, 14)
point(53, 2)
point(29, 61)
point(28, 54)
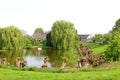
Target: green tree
point(98, 38)
point(107, 38)
point(116, 27)
point(63, 35)
point(40, 30)
point(113, 51)
point(48, 39)
point(29, 41)
point(11, 38)
point(102, 38)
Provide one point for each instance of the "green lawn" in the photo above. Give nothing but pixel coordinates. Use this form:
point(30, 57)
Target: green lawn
point(111, 74)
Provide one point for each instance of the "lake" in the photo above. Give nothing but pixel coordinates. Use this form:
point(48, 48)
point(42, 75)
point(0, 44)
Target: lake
point(34, 57)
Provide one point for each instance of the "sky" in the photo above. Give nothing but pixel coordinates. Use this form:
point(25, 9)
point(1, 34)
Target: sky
point(88, 16)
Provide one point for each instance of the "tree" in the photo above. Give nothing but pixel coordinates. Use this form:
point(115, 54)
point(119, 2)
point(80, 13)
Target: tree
point(40, 30)
point(107, 38)
point(29, 41)
point(113, 51)
point(116, 27)
point(48, 39)
point(11, 38)
point(98, 38)
point(63, 35)
point(102, 38)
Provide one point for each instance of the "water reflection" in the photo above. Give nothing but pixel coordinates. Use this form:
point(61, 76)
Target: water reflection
point(34, 57)
point(35, 61)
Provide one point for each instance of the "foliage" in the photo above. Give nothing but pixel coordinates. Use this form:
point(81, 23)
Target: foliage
point(30, 41)
point(48, 39)
point(107, 38)
point(102, 38)
point(97, 38)
point(40, 30)
point(113, 51)
point(43, 43)
point(63, 35)
point(116, 27)
point(70, 56)
point(11, 38)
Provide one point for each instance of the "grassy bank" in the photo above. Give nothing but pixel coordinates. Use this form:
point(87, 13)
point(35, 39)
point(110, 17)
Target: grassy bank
point(111, 74)
point(97, 48)
point(107, 71)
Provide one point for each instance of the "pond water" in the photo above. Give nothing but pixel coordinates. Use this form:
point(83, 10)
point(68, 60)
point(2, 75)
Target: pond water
point(34, 57)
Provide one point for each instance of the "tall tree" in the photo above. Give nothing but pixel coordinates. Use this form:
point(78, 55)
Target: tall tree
point(40, 30)
point(116, 27)
point(63, 35)
point(113, 50)
point(11, 38)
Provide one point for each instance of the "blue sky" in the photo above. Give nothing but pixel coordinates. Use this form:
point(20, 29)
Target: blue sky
point(88, 16)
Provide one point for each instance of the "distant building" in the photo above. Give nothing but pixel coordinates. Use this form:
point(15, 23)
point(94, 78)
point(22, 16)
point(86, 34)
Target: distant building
point(85, 37)
point(39, 36)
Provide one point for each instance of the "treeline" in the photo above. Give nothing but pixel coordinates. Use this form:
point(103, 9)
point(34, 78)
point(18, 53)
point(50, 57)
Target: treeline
point(62, 36)
point(13, 38)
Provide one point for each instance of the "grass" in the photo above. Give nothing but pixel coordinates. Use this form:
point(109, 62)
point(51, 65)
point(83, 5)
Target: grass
point(97, 48)
point(111, 74)
point(100, 73)
point(107, 71)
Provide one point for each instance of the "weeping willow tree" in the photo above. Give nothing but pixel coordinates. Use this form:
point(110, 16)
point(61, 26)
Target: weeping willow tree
point(11, 38)
point(63, 35)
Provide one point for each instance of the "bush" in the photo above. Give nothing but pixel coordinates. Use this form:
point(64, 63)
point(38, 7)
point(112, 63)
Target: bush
point(113, 51)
